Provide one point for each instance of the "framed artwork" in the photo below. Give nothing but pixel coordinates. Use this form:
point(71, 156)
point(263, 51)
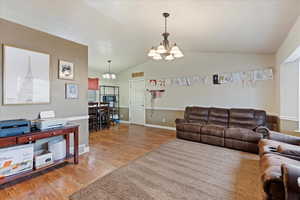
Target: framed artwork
point(72, 91)
point(25, 76)
point(65, 70)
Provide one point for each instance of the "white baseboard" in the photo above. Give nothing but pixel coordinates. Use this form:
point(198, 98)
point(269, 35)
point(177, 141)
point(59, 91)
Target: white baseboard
point(124, 122)
point(152, 125)
point(77, 118)
point(162, 127)
point(82, 149)
point(288, 118)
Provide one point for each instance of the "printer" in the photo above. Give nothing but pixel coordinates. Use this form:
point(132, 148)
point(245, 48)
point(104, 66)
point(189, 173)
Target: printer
point(47, 120)
point(14, 127)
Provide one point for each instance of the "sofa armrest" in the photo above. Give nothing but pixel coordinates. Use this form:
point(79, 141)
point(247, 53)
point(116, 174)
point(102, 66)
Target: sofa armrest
point(180, 121)
point(289, 150)
point(281, 137)
point(263, 130)
point(290, 175)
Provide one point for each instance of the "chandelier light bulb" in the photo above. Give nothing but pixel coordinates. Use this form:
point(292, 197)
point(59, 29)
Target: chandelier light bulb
point(113, 76)
point(152, 52)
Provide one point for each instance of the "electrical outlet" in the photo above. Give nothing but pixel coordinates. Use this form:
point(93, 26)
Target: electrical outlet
point(163, 120)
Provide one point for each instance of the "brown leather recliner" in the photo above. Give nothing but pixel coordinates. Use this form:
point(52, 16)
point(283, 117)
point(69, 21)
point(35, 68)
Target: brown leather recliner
point(274, 155)
point(233, 128)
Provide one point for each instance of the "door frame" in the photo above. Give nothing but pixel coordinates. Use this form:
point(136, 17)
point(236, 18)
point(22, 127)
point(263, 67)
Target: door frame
point(130, 99)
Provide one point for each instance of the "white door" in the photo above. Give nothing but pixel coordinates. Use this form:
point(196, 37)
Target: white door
point(137, 102)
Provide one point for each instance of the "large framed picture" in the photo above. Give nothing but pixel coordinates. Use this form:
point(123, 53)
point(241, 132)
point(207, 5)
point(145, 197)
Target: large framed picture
point(72, 91)
point(25, 76)
point(65, 70)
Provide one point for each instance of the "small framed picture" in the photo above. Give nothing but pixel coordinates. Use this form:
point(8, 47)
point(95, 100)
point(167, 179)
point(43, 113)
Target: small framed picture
point(72, 91)
point(65, 70)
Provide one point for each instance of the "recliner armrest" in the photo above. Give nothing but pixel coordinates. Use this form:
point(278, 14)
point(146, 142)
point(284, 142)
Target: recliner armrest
point(180, 121)
point(290, 175)
point(263, 130)
point(291, 151)
point(281, 137)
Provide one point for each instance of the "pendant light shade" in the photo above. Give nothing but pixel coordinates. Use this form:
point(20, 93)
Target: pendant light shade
point(157, 57)
point(152, 52)
point(169, 57)
point(161, 49)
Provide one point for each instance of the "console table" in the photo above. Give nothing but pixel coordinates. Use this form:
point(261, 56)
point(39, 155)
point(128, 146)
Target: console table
point(37, 135)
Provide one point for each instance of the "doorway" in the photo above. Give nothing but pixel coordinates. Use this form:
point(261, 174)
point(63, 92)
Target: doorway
point(137, 101)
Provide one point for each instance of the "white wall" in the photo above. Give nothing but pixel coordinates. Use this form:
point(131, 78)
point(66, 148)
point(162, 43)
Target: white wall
point(289, 91)
point(261, 95)
point(287, 81)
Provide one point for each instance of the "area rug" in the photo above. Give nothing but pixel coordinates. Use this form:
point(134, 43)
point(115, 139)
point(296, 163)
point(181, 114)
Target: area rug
point(181, 170)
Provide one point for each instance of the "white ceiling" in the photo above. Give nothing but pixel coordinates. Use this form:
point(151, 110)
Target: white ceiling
point(124, 30)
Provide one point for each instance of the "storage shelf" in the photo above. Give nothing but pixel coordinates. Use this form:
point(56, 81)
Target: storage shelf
point(33, 171)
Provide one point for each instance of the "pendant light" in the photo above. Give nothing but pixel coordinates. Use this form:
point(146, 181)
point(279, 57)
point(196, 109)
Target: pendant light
point(164, 50)
point(108, 75)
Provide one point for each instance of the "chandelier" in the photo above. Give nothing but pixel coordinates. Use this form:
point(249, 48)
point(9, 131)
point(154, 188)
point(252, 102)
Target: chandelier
point(164, 50)
point(109, 75)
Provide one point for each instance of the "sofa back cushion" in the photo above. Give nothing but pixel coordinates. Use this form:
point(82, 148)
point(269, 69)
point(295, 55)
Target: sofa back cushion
point(246, 118)
point(260, 118)
point(196, 114)
point(218, 116)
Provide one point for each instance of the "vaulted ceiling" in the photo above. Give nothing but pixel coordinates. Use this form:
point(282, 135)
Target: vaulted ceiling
point(124, 30)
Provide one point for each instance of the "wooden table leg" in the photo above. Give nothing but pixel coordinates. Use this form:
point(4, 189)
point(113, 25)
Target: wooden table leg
point(67, 137)
point(76, 146)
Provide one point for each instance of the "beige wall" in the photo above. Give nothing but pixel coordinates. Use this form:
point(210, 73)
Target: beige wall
point(259, 95)
point(23, 37)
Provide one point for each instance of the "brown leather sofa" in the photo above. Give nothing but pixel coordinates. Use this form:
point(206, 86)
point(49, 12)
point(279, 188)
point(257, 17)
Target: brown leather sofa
point(233, 128)
point(279, 166)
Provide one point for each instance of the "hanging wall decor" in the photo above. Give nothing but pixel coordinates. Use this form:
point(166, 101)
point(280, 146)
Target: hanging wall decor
point(72, 91)
point(65, 70)
point(246, 78)
point(25, 76)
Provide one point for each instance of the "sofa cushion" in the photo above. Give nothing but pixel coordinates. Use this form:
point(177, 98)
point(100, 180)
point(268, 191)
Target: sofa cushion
point(196, 114)
point(214, 140)
point(192, 127)
point(243, 134)
point(213, 130)
point(189, 127)
point(241, 145)
point(188, 136)
point(242, 118)
point(260, 117)
point(218, 116)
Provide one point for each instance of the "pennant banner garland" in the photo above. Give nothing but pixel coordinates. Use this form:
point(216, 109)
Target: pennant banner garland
point(223, 78)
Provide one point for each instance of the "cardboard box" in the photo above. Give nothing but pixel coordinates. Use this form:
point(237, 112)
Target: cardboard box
point(17, 159)
point(43, 160)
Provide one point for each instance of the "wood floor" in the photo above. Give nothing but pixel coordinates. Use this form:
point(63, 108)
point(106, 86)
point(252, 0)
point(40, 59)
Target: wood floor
point(109, 150)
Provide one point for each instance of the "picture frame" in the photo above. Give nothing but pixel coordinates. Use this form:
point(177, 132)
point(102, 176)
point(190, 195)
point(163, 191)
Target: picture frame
point(26, 76)
point(65, 70)
point(72, 91)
